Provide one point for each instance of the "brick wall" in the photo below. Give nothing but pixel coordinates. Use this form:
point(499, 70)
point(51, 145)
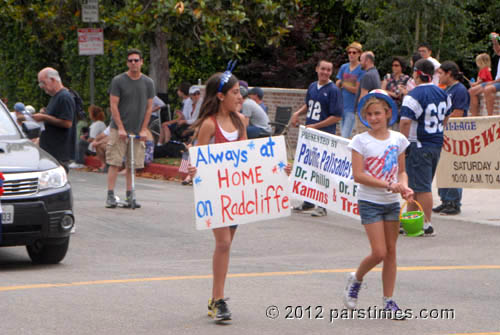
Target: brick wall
point(482, 105)
point(282, 97)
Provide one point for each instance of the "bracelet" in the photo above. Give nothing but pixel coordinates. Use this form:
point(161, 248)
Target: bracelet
point(389, 186)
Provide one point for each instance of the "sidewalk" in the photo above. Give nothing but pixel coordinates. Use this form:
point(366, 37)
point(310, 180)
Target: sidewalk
point(478, 205)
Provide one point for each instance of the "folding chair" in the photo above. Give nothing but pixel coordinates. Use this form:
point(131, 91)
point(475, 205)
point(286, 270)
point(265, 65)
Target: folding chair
point(159, 116)
point(281, 126)
point(281, 120)
point(154, 125)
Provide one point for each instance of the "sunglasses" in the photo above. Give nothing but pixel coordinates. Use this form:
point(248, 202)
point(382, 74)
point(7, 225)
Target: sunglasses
point(133, 60)
point(352, 52)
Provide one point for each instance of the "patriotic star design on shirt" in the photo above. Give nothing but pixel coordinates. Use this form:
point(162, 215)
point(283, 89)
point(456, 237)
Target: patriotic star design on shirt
point(385, 167)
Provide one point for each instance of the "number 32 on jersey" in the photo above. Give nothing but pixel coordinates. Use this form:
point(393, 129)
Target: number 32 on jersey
point(314, 110)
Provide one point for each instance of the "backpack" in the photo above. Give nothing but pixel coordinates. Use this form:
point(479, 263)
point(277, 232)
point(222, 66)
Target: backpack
point(79, 111)
point(170, 149)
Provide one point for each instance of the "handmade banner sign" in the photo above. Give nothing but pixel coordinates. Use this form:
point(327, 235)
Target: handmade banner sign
point(470, 157)
point(322, 172)
point(240, 182)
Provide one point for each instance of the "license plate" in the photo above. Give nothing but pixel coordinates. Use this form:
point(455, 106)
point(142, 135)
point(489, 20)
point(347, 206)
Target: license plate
point(7, 214)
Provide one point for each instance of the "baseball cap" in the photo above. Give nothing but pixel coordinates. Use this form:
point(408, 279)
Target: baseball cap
point(244, 84)
point(243, 91)
point(257, 91)
point(19, 107)
point(194, 89)
point(30, 109)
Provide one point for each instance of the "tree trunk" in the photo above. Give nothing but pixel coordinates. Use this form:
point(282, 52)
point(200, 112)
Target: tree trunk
point(441, 33)
point(417, 30)
point(425, 26)
point(159, 70)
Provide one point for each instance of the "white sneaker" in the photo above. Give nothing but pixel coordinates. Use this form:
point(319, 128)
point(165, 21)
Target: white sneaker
point(351, 291)
point(75, 165)
point(319, 211)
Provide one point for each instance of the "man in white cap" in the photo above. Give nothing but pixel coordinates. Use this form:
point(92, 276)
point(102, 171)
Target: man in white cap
point(179, 128)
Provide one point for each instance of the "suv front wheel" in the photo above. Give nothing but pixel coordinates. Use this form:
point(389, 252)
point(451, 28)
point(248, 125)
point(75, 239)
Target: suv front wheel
point(50, 251)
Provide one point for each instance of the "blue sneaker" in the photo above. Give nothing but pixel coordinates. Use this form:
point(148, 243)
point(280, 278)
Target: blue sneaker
point(393, 311)
point(351, 291)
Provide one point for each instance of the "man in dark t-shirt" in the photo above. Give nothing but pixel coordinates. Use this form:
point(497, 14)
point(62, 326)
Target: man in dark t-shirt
point(131, 99)
point(370, 79)
point(59, 136)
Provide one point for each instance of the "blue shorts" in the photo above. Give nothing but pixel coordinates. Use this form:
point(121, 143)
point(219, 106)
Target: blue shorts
point(371, 212)
point(421, 166)
point(496, 85)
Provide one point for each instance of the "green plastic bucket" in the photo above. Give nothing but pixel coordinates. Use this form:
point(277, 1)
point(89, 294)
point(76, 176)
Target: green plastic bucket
point(413, 221)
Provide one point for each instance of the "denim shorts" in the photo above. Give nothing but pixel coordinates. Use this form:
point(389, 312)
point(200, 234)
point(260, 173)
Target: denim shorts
point(421, 166)
point(497, 85)
point(371, 212)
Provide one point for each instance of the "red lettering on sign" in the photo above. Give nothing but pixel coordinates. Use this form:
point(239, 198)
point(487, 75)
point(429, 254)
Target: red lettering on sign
point(237, 178)
point(255, 204)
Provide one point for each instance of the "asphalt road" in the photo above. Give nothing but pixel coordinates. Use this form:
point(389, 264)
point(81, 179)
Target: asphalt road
point(148, 271)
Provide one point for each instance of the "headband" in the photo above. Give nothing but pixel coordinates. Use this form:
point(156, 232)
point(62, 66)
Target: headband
point(227, 74)
point(420, 73)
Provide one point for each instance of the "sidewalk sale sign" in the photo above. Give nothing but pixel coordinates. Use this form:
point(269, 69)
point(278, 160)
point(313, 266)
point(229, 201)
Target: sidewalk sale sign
point(470, 157)
point(322, 172)
point(240, 182)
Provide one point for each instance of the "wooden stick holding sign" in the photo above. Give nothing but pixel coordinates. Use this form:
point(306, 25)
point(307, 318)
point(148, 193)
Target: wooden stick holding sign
point(240, 182)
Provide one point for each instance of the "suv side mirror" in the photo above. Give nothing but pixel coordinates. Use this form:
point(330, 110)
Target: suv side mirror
point(31, 129)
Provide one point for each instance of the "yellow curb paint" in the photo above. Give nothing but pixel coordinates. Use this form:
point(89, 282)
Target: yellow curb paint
point(248, 275)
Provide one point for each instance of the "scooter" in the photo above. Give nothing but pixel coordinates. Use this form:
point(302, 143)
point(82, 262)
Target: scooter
point(124, 204)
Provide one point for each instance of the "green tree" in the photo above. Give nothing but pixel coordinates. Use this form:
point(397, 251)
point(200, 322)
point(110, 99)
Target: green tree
point(397, 27)
point(204, 33)
point(320, 30)
point(214, 29)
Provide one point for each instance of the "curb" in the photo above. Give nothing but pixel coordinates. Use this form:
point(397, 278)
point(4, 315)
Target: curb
point(167, 171)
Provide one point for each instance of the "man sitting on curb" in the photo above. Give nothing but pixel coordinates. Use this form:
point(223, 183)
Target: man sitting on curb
point(258, 121)
point(257, 94)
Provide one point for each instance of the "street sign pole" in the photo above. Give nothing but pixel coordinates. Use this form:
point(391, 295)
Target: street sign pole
point(92, 87)
point(90, 14)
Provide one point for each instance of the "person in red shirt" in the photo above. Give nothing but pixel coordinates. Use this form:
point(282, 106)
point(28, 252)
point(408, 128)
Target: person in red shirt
point(483, 62)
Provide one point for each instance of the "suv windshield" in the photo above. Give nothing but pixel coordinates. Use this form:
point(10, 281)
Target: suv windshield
point(7, 127)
